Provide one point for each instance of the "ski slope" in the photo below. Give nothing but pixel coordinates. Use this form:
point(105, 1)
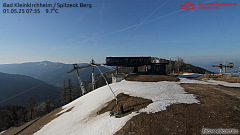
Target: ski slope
point(83, 118)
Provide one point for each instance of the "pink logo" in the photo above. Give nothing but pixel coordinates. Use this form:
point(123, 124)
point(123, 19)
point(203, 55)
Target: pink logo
point(187, 6)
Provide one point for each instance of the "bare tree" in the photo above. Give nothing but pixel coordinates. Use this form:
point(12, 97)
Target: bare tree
point(67, 92)
point(30, 104)
point(178, 65)
point(169, 67)
point(48, 104)
point(70, 89)
point(64, 93)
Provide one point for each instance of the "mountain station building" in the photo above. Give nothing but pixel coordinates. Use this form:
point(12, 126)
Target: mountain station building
point(150, 64)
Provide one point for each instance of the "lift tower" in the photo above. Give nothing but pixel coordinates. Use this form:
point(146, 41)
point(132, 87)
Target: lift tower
point(223, 67)
point(93, 64)
point(76, 68)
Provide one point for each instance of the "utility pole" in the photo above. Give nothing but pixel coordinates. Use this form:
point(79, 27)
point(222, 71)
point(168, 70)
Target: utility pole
point(93, 80)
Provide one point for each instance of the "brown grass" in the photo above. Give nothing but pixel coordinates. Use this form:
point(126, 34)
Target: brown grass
point(227, 78)
point(130, 104)
point(151, 78)
point(218, 109)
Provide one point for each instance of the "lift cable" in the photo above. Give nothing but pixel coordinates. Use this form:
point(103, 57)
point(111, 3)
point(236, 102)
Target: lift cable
point(109, 87)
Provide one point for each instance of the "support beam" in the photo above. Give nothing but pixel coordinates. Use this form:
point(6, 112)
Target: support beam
point(117, 70)
point(135, 70)
point(221, 70)
point(93, 80)
point(81, 84)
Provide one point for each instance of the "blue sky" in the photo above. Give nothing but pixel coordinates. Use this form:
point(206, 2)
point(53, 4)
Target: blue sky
point(121, 28)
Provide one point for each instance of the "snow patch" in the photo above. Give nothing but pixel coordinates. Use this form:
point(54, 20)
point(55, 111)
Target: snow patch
point(83, 118)
point(3, 132)
point(211, 82)
point(42, 63)
point(225, 83)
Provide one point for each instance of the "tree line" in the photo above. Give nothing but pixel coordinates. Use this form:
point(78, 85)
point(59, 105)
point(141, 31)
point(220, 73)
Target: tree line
point(15, 115)
point(175, 66)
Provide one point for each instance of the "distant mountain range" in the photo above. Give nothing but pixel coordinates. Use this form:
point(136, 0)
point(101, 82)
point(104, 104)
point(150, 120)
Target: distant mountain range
point(49, 72)
point(15, 89)
point(207, 65)
point(37, 79)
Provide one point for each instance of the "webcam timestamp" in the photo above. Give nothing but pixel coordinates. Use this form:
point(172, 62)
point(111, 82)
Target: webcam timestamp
point(21, 10)
point(28, 11)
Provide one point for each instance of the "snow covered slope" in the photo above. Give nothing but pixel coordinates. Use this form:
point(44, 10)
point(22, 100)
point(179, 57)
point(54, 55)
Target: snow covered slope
point(83, 118)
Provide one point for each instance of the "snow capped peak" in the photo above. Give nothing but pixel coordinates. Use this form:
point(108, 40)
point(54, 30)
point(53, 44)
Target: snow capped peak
point(43, 63)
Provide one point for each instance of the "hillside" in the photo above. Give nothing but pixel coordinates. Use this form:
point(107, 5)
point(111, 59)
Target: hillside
point(15, 89)
point(207, 65)
point(182, 107)
point(49, 72)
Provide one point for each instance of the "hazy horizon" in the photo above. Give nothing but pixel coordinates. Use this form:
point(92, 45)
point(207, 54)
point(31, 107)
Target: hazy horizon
point(121, 28)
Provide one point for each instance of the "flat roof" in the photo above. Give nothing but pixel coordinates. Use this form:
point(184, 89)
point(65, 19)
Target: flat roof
point(128, 61)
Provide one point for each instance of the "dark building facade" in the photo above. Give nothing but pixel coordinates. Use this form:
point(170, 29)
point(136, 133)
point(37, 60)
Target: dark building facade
point(159, 68)
point(128, 61)
point(149, 63)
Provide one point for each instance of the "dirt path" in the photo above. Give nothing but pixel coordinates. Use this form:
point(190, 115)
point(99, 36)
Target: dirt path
point(219, 108)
